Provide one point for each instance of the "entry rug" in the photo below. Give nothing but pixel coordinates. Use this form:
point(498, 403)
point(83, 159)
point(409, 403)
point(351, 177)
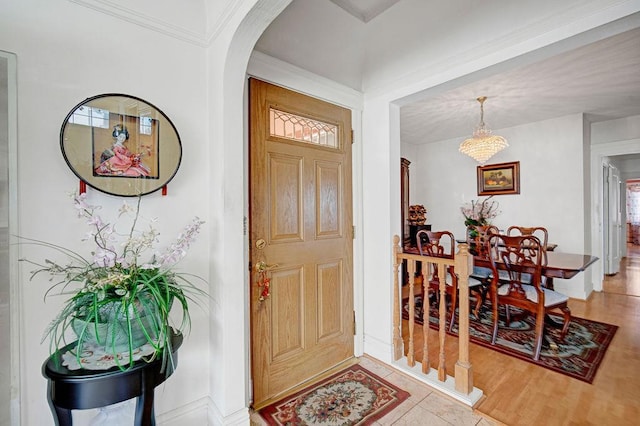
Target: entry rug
point(578, 356)
point(354, 396)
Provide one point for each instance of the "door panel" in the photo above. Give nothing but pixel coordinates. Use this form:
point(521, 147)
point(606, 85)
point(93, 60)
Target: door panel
point(288, 310)
point(301, 208)
point(286, 198)
point(329, 209)
point(330, 319)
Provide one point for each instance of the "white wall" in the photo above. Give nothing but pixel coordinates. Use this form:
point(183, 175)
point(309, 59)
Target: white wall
point(66, 53)
point(551, 185)
point(616, 130)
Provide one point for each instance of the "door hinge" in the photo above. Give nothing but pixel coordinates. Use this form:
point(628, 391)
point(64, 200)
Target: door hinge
point(351, 136)
point(354, 323)
point(353, 232)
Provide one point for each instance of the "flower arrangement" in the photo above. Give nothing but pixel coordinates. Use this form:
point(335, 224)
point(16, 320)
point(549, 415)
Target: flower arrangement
point(479, 212)
point(116, 298)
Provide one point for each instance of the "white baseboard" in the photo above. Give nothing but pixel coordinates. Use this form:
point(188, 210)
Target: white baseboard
point(192, 414)
point(240, 417)
point(377, 348)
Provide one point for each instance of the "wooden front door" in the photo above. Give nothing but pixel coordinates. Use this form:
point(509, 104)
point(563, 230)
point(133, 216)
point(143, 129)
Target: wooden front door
point(301, 238)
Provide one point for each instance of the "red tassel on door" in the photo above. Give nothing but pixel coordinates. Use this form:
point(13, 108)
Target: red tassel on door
point(83, 187)
point(164, 190)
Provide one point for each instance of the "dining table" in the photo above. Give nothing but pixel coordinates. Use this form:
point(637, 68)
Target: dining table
point(559, 265)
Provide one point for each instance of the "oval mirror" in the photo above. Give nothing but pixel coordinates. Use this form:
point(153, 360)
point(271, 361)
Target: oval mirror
point(120, 145)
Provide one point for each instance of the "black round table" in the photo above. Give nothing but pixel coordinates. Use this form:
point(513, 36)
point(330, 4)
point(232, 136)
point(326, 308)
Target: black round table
point(84, 389)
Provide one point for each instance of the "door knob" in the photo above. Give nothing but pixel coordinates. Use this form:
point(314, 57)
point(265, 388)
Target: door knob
point(262, 266)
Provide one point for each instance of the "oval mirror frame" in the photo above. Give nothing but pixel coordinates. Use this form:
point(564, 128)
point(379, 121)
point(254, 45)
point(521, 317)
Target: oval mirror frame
point(120, 145)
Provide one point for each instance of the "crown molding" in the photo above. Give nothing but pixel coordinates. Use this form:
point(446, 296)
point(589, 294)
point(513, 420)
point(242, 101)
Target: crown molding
point(202, 39)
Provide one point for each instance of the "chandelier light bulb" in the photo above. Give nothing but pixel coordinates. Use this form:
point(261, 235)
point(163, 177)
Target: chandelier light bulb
point(483, 144)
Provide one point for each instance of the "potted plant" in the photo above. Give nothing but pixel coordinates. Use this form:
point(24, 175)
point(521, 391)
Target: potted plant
point(118, 304)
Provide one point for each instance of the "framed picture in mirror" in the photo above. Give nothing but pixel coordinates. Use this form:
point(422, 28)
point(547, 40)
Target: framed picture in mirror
point(120, 145)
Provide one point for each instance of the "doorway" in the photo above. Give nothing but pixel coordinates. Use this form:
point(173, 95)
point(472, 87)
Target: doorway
point(612, 218)
point(600, 155)
point(301, 238)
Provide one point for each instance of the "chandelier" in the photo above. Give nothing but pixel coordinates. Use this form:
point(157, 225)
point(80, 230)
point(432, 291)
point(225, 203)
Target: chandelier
point(483, 145)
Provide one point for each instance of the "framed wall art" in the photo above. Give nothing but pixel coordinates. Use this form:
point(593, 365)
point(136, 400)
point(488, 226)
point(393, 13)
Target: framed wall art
point(120, 145)
point(499, 179)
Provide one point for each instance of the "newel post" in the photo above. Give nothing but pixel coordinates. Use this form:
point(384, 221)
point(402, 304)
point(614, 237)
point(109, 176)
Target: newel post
point(463, 371)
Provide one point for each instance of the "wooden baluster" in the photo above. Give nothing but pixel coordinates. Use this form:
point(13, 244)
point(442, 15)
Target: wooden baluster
point(397, 300)
point(411, 267)
point(463, 264)
point(463, 370)
point(426, 367)
point(442, 273)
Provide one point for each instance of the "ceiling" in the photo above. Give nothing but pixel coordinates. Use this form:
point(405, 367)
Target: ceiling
point(365, 10)
point(601, 80)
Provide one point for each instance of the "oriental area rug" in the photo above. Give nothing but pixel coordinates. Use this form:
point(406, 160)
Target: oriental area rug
point(354, 396)
point(578, 356)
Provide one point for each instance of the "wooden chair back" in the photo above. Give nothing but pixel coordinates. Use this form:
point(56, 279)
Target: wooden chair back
point(436, 243)
point(537, 231)
point(522, 256)
point(478, 237)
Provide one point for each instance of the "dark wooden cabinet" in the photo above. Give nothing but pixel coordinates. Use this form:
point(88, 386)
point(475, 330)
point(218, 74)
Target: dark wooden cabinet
point(404, 200)
point(413, 230)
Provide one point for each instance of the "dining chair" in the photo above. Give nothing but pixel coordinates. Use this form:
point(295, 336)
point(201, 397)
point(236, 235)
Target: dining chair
point(477, 237)
point(518, 255)
point(537, 231)
point(442, 244)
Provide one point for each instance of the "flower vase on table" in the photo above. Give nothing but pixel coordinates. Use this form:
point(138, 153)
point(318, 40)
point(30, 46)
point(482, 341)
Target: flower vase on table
point(478, 213)
point(118, 305)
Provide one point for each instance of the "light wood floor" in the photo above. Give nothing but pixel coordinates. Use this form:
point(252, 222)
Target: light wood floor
point(627, 281)
point(520, 393)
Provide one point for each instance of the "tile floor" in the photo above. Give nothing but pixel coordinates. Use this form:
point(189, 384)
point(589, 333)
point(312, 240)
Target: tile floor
point(425, 406)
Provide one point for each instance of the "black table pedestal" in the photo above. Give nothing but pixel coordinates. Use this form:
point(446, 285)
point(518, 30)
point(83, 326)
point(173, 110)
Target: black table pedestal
point(83, 389)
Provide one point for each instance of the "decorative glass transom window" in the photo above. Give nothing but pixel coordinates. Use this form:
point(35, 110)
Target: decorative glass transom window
point(290, 126)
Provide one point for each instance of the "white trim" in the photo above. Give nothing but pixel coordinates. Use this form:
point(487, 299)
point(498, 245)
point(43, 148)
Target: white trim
point(448, 387)
point(195, 412)
point(280, 73)
point(598, 152)
point(15, 286)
